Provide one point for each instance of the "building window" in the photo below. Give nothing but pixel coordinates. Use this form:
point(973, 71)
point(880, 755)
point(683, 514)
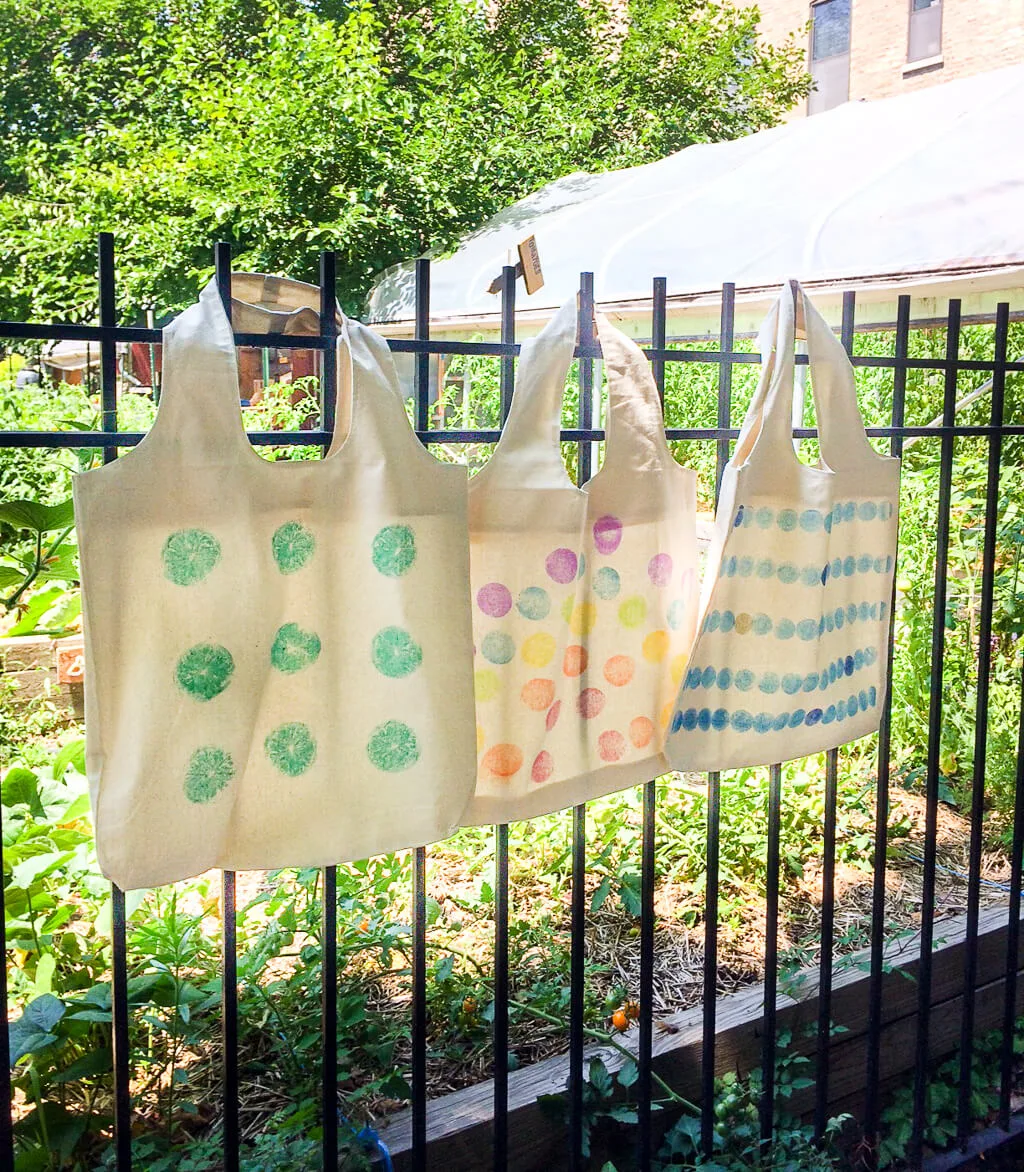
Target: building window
point(925, 39)
point(830, 54)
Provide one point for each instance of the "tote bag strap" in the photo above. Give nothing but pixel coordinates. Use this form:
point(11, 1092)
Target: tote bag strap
point(635, 425)
point(766, 434)
point(528, 453)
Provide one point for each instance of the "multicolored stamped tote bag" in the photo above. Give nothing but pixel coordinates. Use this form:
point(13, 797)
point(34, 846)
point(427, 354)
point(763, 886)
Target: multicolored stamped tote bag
point(790, 658)
point(279, 655)
point(585, 601)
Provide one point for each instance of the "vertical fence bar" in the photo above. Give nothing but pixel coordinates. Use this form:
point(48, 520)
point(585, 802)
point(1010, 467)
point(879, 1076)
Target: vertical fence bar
point(1006, 1052)
point(119, 927)
point(988, 559)
point(501, 985)
point(924, 977)
point(229, 960)
point(876, 971)
point(419, 875)
point(726, 342)
point(6, 1105)
point(329, 913)
point(645, 1045)
point(771, 954)
point(584, 458)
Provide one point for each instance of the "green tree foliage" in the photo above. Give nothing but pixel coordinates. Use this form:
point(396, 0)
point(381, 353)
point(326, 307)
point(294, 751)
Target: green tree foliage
point(378, 129)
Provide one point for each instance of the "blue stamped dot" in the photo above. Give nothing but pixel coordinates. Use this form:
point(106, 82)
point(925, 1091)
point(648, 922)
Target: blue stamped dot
point(787, 519)
point(748, 518)
point(828, 522)
point(862, 698)
point(745, 567)
point(888, 562)
point(704, 719)
point(849, 510)
point(851, 613)
point(812, 717)
point(872, 696)
point(712, 621)
point(829, 714)
point(693, 677)
point(791, 683)
point(762, 624)
point(796, 718)
point(865, 612)
point(730, 567)
point(676, 614)
point(849, 565)
point(810, 576)
point(769, 683)
point(739, 518)
point(829, 621)
point(836, 568)
point(840, 712)
point(807, 629)
point(867, 510)
point(677, 721)
point(831, 673)
point(728, 621)
point(810, 681)
point(744, 680)
point(837, 514)
point(788, 573)
point(883, 610)
point(581, 568)
point(764, 518)
point(708, 677)
point(810, 520)
point(724, 678)
point(781, 721)
point(839, 618)
point(720, 718)
point(859, 659)
point(870, 655)
point(785, 628)
point(765, 568)
point(879, 565)
point(864, 563)
point(851, 706)
point(742, 721)
point(849, 664)
point(607, 585)
point(823, 682)
point(763, 722)
point(689, 720)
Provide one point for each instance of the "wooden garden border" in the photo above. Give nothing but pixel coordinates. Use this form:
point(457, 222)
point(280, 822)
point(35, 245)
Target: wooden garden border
point(459, 1125)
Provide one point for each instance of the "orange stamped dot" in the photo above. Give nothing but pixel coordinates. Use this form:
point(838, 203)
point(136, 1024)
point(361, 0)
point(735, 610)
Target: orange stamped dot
point(655, 646)
point(640, 731)
point(537, 694)
point(618, 671)
point(575, 662)
point(502, 760)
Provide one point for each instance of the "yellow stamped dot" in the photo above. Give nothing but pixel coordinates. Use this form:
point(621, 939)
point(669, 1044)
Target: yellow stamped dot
point(633, 611)
point(539, 649)
point(485, 684)
point(655, 646)
point(743, 623)
point(480, 737)
point(679, 668)
point(666, 713)
point(582, 619)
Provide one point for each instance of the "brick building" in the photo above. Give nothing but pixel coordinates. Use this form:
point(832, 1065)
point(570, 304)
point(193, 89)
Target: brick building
point(879, 48)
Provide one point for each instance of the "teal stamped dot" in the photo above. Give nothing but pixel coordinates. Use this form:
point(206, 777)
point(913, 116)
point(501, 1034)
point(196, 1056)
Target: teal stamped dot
point(291, 748)
point(810, 681)
point(763, 517)
point(788, 573)
point(394, 550)
point(745, 567)
point(864, 563)
point(787, 520)
point(769, 683)
point(293, 648)
point(785, 629)
point(744, 680)
point(209, 771)
point(535, 603)
point(810, 576)
point(189, 555)
point(395, 653)
point(293, 545)
point(807, 629)
point(765, 568)
point(498, 647)
point(607, 583)
point(728, 621)
point(791, 683)
point(762, 624)
point(393, 747)
point(724, 678)
point(867, 510)
point(742, 720)
point(204, 671)
point(677, 614)
point(810, 520)
point(708, 677)
point(849, 565)
point(849, 510)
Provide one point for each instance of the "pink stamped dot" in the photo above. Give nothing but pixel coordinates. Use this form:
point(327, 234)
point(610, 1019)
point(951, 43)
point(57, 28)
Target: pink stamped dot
point(607, 533)
point(659, 569)
point(611, 745)
point(494, 599)
point(561, 565)
point(590, 703)
point(552, 717)
point(543, 766)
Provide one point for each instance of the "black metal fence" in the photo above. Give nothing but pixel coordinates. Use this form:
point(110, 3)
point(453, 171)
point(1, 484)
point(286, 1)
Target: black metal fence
point(108, 334)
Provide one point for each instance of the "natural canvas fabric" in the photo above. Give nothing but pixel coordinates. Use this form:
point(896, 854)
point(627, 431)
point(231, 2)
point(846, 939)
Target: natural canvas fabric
point(279, 655)
point(790, 658)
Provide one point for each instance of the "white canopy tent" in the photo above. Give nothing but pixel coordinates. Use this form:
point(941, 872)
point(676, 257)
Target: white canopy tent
point(920, 194)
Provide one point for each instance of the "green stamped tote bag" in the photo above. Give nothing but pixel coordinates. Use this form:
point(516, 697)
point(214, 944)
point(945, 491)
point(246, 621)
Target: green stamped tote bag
point(278, 655)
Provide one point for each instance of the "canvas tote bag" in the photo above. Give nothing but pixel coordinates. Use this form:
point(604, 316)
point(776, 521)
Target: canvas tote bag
point(279, 655)
point(585, 601)
point(790, 658)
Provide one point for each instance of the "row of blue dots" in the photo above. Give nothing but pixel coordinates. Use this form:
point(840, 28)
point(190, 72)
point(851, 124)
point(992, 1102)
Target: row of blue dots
point(812, 520)
point(806, 629)
point(787, 573)
point(763, 722)
point(770, 682)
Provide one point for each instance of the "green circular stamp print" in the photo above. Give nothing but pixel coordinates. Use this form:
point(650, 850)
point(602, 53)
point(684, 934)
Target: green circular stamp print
point(395, 652)
point(189, 555)
point(393, 747)
point(291, 748)
point(294, 648)
point(209, 770)
point(204, 671)
point(394, 550)
point(293, 545)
